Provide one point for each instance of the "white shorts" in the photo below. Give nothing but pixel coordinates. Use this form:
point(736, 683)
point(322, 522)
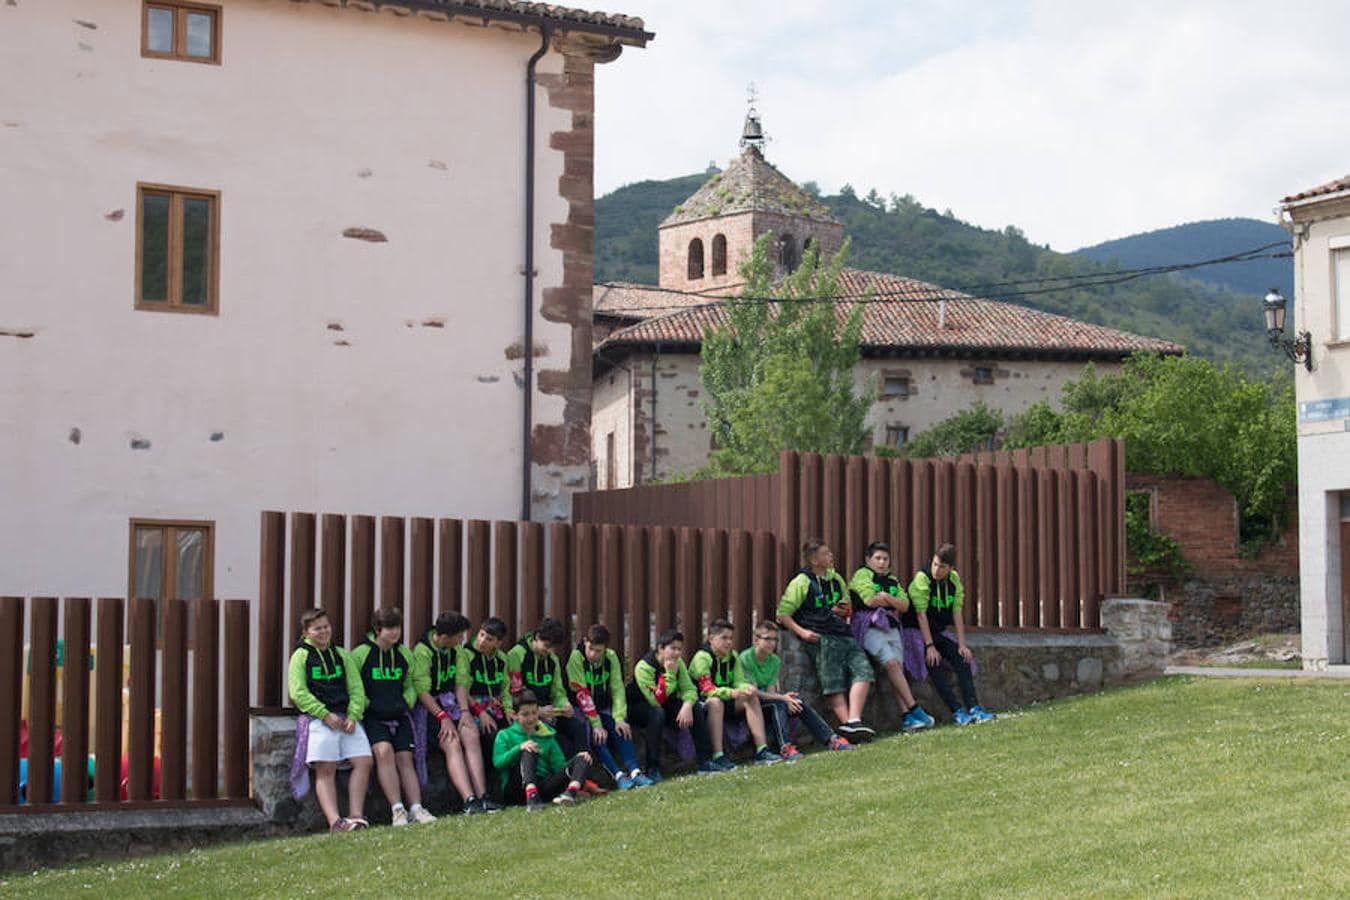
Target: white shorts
point(884, 644)
point(331, 745)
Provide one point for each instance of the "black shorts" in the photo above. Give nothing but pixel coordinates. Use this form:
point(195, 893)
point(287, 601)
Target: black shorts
point(397, 732)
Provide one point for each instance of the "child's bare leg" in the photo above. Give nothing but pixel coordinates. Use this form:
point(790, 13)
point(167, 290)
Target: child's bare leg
point(857, 699)
point(325, 789)
point(896, 674)
point(839, 706)
point(754, 717)
point(386, 772)
point(715, 711)
point(455, 766)
point(407, 776)
point(473, 755)
point(356, 786)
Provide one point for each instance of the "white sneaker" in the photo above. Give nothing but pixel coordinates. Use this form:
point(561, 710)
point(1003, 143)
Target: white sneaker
point(421, 816)
point(400, 817)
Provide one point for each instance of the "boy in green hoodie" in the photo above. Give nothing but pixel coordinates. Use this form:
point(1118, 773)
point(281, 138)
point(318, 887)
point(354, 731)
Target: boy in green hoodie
point(723, 689)
point(530, 762)
point(326, 687)
point(662, 692)
point(435, 661)
point(386, 674)
point(480, 686)
point(762, 666)
point(937, 595)
point(595, 683)
point(533, 665)
point(877, 627)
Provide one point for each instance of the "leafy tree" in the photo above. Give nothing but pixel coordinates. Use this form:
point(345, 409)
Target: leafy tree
point(970, 429)
point(780, 375)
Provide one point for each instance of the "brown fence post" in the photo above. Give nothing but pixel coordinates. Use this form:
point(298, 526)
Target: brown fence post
point(391, 564)
point(611, 580)
point(789, 511)
point(944, 502)
point(450, 574)
point(532, 572)
point(663, 580)
point(421, 577)
point(75, 702)
point(1006, 479)
point(11, 696)
point(687, 586)
point(234, 711)
point(1047, 543)
point(41, 697)
point(560, 604)
point(921, 537)
point(764, 582)
point(141, 725)
point(1089, 549)
point(271, 608)
point(504, 579)
point(1027, 493)
point(205, 696)
point(363, 579)
point(832, 504)
point(634, 609)
point(173, 701)
point(714, 563)
point(583, 566)
point(810, 522)
point(878, 502)
point(902, 553)
point(479, 568)
point(302, 573)
point(1068, 549)
point(333, 572)
point(986, 509)
point(108, 690)
point(739, 562)
point(963, 527)
point(856, 506)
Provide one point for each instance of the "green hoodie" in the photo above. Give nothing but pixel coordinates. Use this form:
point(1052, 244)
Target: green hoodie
point(541, 673)
point(717, 677)
point(313, 670)
point(433, 669)
point(810, 600)
point(602, 684)
point(387, 678)
point(506, 751)
point(655, 684)
point(941, 600)
point(483, 675)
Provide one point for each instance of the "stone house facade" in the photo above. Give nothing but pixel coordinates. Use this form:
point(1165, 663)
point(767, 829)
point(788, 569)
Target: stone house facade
point(262, 254)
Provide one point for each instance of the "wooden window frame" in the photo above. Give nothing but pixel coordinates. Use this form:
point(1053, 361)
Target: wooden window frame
point(169, 574)
point(890, 375)
point(902, 432)
point(180, 11)
point(719, 255)
point(695, 269)
point(975, 374)
point(174, 274)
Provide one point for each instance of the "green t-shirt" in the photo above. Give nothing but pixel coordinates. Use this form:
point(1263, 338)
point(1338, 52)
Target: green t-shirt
point(762, 675)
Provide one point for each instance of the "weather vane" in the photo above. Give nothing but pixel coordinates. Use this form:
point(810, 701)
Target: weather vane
point(752, 135)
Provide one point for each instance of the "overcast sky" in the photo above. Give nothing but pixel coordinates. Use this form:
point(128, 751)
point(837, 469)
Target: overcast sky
point(1076, 121)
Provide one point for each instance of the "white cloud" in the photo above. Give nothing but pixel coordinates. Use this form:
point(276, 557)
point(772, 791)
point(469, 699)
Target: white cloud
point(1078, 123)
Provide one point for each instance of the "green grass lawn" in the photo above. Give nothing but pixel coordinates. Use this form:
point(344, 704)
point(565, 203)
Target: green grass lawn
point(1181, 787)
point(1254, 664)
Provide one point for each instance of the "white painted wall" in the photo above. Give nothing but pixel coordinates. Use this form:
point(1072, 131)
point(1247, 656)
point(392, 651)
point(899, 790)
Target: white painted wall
point(406, 419)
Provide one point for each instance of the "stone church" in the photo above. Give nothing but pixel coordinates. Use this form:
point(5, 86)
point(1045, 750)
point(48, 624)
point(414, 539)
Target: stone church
point(929, 355)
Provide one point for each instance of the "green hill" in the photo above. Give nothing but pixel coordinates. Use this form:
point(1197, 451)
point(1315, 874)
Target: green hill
point(901, 236)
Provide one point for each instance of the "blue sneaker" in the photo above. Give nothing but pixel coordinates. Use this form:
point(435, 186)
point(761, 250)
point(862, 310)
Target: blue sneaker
point(767, 757)
point(913, 721)
point(624, 783)
point(980, 714)
point(723, 763)
point(642, 780)
point(928, 721)
point(962, 717)
point(709, 767)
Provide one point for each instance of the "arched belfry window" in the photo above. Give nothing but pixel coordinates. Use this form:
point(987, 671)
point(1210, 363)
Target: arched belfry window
point(719, 254)
point(787, 253)
point(695, 259)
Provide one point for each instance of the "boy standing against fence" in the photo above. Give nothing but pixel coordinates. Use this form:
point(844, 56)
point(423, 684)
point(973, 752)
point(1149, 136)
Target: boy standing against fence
point(326, 688)
point(532, 767)
point(762, 667)
point(532, 664)
point(816, 608)
point(662, 692)
point(386, 674)
point(876, 626)
point(435, 662)
point(480, 687)
point(595, 683)
point(937, 595)
point(725, 692)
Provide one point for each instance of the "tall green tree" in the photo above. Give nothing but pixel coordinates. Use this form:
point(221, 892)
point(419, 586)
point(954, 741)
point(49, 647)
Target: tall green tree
point(971, 429)
point(780, 375)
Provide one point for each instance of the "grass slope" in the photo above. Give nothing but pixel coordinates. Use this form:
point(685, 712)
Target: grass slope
point(1182, 787)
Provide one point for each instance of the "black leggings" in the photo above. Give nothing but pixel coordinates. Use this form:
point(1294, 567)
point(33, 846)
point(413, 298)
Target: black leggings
point(947, 648)
point(552, 785)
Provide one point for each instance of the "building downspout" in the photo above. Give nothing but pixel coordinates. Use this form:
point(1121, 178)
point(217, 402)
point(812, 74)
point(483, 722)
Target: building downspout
point(527, 421)
point(655, 357)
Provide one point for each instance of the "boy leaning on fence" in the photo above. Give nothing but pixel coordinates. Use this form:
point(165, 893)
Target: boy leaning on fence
point(762, 667)
point(881, 602)
point(326, 688)
point(937, 597)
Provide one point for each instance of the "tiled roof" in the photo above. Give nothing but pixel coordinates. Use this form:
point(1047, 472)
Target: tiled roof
point(917, 322)
point(1331, 187)
point(627, 29)
point(750, 183)
point(625, 300)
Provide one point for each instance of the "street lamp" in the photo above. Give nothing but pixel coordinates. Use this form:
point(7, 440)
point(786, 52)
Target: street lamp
point(1300, 348)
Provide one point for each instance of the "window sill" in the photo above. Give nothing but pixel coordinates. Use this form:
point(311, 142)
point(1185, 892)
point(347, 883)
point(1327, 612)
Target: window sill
point(182, 310)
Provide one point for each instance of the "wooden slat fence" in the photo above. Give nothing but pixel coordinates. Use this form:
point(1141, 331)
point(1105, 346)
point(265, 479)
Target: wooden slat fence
point(208, 664)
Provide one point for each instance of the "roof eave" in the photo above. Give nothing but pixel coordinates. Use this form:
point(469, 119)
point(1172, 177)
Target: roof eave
point(633, 37)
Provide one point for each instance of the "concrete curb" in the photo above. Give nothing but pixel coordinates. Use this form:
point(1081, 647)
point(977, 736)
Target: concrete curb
point(1223, 672)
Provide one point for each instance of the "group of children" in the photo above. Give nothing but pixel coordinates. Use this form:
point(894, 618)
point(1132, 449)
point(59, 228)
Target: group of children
point(543, 725)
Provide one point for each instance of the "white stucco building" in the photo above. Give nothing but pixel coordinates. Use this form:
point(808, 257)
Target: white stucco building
point(266, 254)
point(1319, 219)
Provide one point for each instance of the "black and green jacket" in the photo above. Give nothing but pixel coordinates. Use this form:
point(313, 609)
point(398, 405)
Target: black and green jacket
point(810, 599)
point(483, 676)
point(324, 681)
point(433, 668)
point(541, 673)
point(386, 676)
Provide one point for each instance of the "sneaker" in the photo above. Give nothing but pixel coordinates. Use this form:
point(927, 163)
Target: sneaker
point(533, 803)
point(566, 798)
point(358, 822)
point(624, 783)
point(857, 729)
point(839, 743)
point(980, 714)
point(766, 757)
point(471, 808)
point(725, 763)
point(790, 752)
point(342, 825)
point(595, 790)
point(421, 816)
point(649, 778)
point(928, 721)
point(913, 721)
point(487, 804)
point(400, 817)
point(709, 767)
point(962, 717)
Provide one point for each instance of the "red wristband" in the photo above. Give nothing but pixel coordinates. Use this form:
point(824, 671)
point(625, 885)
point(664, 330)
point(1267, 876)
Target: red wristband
point(442, 715)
